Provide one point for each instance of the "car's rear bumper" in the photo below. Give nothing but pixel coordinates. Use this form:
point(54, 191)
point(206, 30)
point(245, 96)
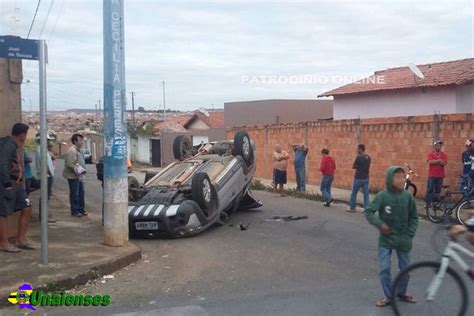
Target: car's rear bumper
point(159, 220)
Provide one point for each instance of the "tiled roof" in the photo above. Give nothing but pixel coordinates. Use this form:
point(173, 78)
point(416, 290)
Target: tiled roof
point(214, 120)
point(458, 72)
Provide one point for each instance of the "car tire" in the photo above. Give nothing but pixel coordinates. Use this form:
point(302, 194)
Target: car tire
point(243, 147)
point(203, 192)
point(132, 184)
point(182, 147)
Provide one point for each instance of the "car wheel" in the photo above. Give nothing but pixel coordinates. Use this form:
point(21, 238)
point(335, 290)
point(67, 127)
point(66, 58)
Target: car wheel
point(132, 184)
point(203, 192)
point(243, 147)
point(182, 147)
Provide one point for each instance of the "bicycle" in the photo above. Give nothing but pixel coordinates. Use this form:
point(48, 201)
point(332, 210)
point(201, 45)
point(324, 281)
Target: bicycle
point(436, 282)
point(443, 207)
point(409, 185)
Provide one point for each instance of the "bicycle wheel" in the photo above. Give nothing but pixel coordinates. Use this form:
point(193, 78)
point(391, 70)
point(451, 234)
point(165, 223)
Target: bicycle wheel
point(435, 212)
point(465, 211)
point(412, 189)
point(450, 299)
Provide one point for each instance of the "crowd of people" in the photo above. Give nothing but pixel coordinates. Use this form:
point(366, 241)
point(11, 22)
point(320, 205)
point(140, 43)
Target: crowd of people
point(437, 160)
point(393, 211)
point(17, 182)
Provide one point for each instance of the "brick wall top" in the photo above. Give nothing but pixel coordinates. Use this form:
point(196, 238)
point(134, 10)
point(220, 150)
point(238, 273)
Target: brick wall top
point(375, 121)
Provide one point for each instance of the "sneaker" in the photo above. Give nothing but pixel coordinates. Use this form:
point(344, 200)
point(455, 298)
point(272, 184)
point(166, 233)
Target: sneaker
point(77, 215)
point(327, 204)
point(351, 210)
point(84, 214)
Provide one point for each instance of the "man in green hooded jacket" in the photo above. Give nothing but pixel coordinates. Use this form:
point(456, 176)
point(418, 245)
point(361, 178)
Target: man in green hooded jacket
point(397, 222)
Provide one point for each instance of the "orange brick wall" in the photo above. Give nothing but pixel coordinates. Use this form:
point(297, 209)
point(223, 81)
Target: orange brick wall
point(389, 141)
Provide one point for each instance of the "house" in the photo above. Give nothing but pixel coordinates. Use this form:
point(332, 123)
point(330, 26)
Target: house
point(201, 127)
point(266, 112)
point(447, 87)
point(153, 143)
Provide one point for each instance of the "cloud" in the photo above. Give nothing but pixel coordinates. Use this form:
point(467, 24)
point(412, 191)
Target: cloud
point(202, 49)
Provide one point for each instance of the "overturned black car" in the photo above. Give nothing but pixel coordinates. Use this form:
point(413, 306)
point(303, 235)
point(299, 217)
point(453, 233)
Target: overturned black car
point(204, 187)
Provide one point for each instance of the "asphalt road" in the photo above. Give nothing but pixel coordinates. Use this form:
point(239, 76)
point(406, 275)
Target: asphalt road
point(323, 265)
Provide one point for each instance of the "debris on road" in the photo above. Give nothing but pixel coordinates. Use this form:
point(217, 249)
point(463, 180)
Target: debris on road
point(244, 227)
point(165, 256)
point(286, 218)
point(106, 277)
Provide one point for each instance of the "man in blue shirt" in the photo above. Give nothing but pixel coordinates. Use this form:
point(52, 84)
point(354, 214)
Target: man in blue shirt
point(28, 173)
point(301, 151)
point(468, 164)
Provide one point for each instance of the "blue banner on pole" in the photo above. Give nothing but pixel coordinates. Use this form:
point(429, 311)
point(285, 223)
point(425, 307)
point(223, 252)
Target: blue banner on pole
point(115, 132)
point(15, 47)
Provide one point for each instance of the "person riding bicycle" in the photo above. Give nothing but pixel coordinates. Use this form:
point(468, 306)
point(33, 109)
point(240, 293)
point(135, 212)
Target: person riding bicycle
point(397, 222)
point(468, 165)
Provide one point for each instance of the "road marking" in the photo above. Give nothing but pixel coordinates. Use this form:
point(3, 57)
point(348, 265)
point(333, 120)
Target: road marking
point(171, 211)
point(139, 209)
point(148, 209)
point(158, 210)
point(194, 310)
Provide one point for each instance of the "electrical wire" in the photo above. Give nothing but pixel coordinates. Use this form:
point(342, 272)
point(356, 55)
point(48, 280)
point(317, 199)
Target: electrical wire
point(46, 19)
point(57, 19)
point(34, 18)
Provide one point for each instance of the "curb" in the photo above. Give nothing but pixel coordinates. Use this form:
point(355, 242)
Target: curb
point(82, 278)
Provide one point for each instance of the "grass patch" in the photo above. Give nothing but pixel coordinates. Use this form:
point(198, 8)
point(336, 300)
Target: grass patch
point(259, 186)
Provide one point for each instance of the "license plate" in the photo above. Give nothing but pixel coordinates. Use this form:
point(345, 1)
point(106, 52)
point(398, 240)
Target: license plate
point(146, 225)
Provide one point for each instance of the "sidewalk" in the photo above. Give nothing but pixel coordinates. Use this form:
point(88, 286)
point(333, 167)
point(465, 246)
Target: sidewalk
point(76, 252)
point(339, 195)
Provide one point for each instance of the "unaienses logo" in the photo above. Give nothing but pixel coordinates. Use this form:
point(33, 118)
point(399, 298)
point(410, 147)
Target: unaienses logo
point(27, 297)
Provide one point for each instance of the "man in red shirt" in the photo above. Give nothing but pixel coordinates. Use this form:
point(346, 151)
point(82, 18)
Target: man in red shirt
point(437, 161)
point(328, 168)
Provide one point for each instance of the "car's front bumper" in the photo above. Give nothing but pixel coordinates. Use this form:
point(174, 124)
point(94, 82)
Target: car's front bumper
point(159, 220)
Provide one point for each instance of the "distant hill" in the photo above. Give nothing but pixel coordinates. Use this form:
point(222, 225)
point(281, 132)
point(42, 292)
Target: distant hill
point(80, 110)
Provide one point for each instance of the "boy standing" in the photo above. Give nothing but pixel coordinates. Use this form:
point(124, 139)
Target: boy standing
point(397, 221)
point(328, 167)
point(437, 161)
point(361, 178)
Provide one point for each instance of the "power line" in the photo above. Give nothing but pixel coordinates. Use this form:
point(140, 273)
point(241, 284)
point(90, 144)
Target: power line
point(57, 19)
point(34, 18)
point(46, 19)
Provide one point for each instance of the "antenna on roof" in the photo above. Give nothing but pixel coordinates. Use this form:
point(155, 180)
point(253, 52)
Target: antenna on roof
point(416, 71)
point(204, 111)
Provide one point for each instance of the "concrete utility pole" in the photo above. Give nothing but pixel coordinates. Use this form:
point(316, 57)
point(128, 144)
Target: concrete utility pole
point(115, 131)
point(101, 129)
point(164, 103)
point(134, 125)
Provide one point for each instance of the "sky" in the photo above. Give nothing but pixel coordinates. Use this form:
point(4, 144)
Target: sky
point(213, 52)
